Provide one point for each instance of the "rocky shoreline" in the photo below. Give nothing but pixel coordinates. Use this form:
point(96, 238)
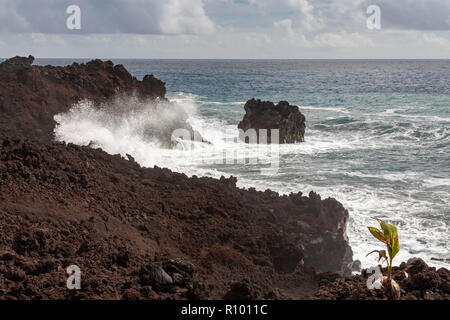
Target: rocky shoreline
point(149, 233)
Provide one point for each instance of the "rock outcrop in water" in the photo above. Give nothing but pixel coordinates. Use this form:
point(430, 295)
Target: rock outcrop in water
point(30, 96)
point(152, 233)
point(260, 115)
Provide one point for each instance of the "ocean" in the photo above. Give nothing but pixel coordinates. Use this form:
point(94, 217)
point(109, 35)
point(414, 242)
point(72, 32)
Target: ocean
point(377, 138)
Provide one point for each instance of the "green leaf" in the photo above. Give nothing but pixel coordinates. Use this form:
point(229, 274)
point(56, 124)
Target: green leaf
point(385, 228)
point(377, 234)
point(395, 244)
point(391, 238)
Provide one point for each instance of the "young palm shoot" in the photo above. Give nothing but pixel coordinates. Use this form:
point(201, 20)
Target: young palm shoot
point(389, 236)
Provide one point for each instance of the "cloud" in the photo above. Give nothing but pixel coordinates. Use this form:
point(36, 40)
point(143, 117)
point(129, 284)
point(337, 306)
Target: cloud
point(285, 27)
point(308, 19)
point(327, 15)
point(180, 16)
point(226, 29)
point(342, 40)
point(113, 16)
point(434, 39)
point(230, 43)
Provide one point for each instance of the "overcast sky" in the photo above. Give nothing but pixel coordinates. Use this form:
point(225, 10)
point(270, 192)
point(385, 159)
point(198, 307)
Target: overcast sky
point(226, 29)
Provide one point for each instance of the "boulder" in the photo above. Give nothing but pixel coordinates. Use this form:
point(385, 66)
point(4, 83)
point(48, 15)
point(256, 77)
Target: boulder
point(168, 276)
point(287, 119)
point(155, 275)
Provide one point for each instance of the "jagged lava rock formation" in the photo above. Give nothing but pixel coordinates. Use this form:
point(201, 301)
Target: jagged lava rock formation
point(31, 95)
point(140, 233)
point(266, 115)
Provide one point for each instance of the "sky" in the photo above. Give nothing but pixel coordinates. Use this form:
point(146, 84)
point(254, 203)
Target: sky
point(228, 29)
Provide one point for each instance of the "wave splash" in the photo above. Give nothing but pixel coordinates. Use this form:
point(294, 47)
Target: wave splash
point(144, 129)
point(124, 125)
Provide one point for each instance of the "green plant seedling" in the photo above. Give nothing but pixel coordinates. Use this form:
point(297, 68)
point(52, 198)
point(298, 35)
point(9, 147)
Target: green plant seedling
point(389, 236)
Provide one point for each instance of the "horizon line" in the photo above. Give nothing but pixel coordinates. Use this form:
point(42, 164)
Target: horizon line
point(312, 59)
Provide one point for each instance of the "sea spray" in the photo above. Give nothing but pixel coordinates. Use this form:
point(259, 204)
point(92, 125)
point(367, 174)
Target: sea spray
point(121, 123)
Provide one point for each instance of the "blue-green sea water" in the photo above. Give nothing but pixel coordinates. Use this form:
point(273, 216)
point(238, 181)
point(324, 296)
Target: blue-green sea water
point(377, 139)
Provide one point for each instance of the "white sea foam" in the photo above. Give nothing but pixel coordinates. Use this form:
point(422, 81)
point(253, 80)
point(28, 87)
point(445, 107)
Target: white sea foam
point(396, 112)
point(235, 103)
point(333, 109)
point(437, 182)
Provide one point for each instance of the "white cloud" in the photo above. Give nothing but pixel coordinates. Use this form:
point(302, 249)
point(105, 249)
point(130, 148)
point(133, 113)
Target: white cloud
point(342, 40)
point(307, 18)
point(179, 16)
point(285, 27)
point(434, 39)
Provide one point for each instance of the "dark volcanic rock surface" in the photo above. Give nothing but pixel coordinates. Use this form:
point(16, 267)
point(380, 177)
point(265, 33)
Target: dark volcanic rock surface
point(421, 283)
point(30, 95)
point(266, 115)
point(152, 233)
